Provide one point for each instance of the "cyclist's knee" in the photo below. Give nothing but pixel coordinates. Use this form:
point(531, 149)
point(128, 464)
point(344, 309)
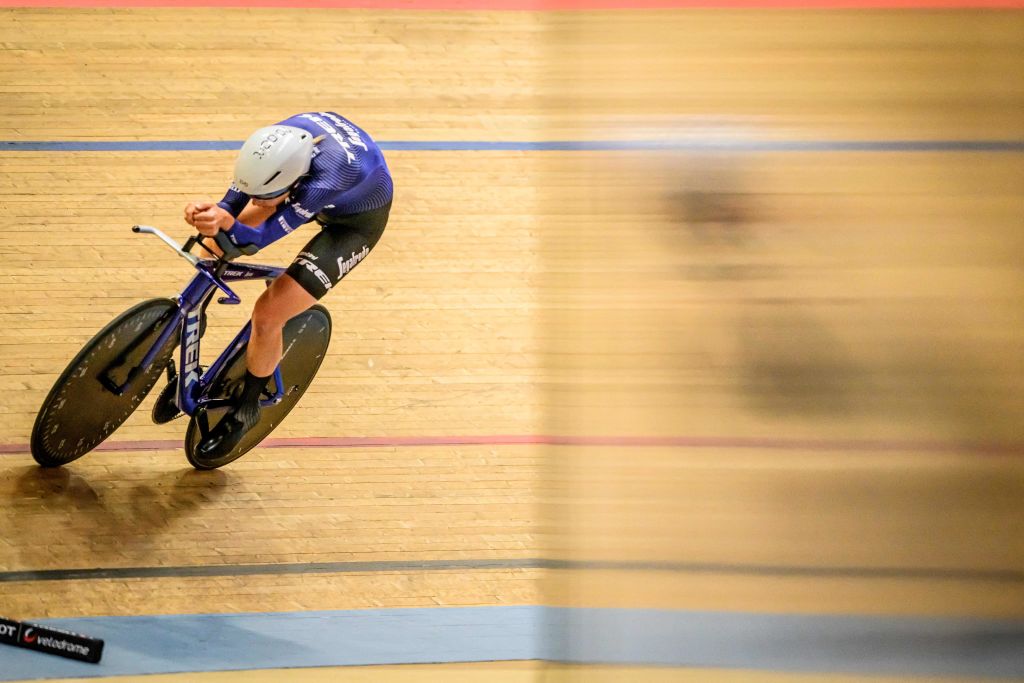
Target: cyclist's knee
point(279, 303)
point(266, 317)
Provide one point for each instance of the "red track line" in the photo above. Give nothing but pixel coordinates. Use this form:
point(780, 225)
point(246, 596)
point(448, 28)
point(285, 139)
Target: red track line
point(535, 4)
point(688, 442)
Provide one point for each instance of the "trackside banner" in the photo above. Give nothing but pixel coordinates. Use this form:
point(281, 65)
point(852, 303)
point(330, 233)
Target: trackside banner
point(50, 640)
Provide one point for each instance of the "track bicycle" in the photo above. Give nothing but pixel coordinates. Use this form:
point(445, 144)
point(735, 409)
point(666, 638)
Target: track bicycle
point(112, 374)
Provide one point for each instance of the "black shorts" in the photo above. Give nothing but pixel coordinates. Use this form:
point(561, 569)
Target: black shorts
point(341, 244)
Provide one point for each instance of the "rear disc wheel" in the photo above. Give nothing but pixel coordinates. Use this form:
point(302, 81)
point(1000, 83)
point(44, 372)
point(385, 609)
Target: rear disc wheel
point(306, 338)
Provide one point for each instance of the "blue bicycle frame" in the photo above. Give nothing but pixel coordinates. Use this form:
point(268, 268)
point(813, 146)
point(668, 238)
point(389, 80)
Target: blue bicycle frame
point(210, 276)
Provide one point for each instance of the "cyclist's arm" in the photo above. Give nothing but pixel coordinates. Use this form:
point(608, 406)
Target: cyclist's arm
point(234, 201)
point(301, 209)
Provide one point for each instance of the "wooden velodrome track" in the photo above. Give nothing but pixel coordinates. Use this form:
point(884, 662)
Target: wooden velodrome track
point(773, 380)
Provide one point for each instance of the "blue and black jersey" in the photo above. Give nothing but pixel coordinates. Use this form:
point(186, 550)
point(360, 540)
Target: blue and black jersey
point(348, 175)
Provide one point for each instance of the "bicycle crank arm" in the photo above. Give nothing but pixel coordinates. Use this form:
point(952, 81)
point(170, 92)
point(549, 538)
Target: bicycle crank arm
point(214, 403)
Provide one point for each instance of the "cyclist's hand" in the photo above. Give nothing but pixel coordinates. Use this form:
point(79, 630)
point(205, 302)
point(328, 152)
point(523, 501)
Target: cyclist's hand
point(210, 218)
point(190, 213)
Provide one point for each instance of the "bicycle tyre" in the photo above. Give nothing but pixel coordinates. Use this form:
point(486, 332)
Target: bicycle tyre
point(306, 338)
point(80, 413)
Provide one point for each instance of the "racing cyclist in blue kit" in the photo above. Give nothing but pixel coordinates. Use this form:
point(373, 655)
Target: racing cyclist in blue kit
point(313, 166)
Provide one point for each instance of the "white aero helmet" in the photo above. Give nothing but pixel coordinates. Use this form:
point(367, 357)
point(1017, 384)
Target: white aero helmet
point(272, 159)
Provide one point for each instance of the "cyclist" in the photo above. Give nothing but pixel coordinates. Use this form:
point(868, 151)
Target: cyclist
point(312, 166)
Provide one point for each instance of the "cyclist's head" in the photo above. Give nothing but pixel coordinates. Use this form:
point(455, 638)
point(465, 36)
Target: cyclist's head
point(272, 160)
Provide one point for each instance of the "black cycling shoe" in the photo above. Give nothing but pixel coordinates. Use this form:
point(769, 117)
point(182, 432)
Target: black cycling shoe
point(228, 433)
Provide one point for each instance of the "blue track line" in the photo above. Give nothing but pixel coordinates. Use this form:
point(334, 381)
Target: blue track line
point(687, 145)
point(853, 644)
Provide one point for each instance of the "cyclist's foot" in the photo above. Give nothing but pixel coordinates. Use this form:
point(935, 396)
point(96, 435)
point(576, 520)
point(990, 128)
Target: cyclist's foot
point(228, 433)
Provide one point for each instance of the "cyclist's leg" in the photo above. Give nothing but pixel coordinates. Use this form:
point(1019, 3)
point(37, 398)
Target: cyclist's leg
point(252, 216)
point(323, 262)
point(338, 248)
point(283, 300)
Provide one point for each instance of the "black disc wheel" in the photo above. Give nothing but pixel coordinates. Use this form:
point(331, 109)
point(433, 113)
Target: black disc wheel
point(306, 337)
point(82, 409)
